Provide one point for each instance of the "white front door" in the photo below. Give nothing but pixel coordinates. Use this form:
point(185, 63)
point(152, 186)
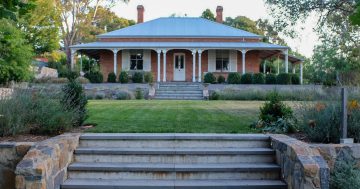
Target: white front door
point(179, 67)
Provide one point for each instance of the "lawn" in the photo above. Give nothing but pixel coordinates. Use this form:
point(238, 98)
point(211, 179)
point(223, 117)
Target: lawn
point(151, 116)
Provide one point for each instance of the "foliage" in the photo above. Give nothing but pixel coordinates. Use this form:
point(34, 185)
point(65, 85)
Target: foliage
point(221, 79)
point(111, 78)
point(123, 77)
point(346, 175)
point(138, 77)
point(214, 95)
point(75, 100)
point(244, 23)
point(258, 78)
point(279, 126)
point(148, 77)
point(139, 94)
point(82, 80)
point(94, 77)
point(234, 78)
point(13, 9)
point(72, 75)
point(247, 78)
point(283, 79)
point(355, 17)
point(207, 14)
point(51, 80)
point(124, 95)
point(39, 112)
point(275, 109)
point(15, 54)
point(209, 78)
point(270, 79)
point(295, 79)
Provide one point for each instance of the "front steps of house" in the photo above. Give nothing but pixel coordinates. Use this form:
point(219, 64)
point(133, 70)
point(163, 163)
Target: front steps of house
point(179, 91)
point(168, 161)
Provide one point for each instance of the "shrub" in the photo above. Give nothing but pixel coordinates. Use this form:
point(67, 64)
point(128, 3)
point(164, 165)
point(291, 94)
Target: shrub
point(270, 79)
point(111, 78)
point(283, 79)
point(209, 78)
point(75, 100)
point(138, 77)
point(124, 95)
point(148, 77)
point(247, 78)
point(139, 94)
point(275, 109)
point(346, 175)
point(295, 79)
point(123, 77)
point(221, 79)
point(82, 80)
point(94, 77)
point(51, 80)
point(258, 78)
point(71, 75)
point(214, 95)
point(234, 78)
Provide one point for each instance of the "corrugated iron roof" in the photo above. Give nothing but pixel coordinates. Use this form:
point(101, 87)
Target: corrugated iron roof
point(179, 45)
point(179, 27)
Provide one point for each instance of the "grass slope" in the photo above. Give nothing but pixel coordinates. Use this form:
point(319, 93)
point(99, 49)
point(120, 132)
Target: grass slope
point(141, 116)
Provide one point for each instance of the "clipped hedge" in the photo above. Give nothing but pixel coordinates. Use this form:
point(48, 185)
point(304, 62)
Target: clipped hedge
point(123, 77)
point(234, 78)
point(111, 78)
point(138, 77)
point(258, 78)
point(295, 79)
point(209, 78)
point(94, 77)
point(148, 77)
point(247, 78)
point(283, 79)
point(270, 79)
point(221, 79)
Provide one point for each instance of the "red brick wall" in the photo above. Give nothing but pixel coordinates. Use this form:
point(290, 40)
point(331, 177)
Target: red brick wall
point(107, 63)
point(252, 62)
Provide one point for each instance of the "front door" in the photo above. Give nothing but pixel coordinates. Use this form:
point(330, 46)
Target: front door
point(179, 67)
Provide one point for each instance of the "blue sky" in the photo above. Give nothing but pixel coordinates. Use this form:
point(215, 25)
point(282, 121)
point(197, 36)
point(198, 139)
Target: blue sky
point(253, 9)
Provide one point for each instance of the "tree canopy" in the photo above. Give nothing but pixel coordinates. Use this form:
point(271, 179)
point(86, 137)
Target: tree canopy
point(207, 14)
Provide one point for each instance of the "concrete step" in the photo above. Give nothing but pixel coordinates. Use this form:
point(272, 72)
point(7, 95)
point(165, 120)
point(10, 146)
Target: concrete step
point(171, 184)
point(174, 140)
point(179, 95)
point(174, 171)
point(177, 98)
point(179, 92)
point(178, 155)
point(179, 87)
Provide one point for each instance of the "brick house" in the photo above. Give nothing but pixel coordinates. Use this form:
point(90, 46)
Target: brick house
point(182, 49)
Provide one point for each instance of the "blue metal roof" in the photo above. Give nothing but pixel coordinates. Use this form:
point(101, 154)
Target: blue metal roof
point(179, 27)
point(178, 45)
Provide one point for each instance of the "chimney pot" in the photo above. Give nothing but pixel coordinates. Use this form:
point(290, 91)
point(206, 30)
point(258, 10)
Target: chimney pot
point(219, 14)
point(140, 10)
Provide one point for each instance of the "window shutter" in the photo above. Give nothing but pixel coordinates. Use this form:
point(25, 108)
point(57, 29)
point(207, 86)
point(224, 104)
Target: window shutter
point(211, 61)
point(147, 60)
point(125, 60)
point(233, 61)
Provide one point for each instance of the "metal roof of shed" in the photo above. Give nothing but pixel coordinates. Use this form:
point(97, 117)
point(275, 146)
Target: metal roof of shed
point(181, 27)
point(179, 45)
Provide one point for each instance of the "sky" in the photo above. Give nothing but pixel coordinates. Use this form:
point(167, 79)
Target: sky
point(253, 9)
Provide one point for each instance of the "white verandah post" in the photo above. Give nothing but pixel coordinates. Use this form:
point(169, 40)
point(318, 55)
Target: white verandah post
point(164, 66)
point(115, 60)
point(199, 53)
point(301, 73)
point(286, 53)
point(158, 65)
point(243, 60)
point(72, 61)
point(194, 62)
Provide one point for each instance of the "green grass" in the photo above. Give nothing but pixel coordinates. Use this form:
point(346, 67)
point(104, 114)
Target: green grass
point(151, 116)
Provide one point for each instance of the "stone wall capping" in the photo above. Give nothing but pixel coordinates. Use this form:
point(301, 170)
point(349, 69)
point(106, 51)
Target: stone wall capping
point(302, 166)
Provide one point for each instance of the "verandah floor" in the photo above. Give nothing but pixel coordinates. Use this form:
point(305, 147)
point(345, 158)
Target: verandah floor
point(153, 116)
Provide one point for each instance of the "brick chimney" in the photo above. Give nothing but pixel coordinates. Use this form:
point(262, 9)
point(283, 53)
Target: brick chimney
point(219, 14)
point(140, 10)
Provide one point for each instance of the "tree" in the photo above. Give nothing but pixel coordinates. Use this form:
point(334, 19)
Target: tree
point(73, 14)
point(355, 17)
point(15, 53)
point(207, 14)
point(104, 21)
point(41, 26)
point(244, 23)
point(13, 9)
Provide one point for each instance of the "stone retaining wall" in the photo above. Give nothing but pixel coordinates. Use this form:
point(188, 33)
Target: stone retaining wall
point(302, 166)
point(45, 164)
point(10, 155)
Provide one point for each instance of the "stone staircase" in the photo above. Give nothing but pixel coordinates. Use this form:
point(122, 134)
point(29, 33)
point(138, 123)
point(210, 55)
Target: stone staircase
point(168, 161)
point(179, 91)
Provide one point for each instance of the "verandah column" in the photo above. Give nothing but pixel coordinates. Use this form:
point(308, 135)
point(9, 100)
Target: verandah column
point(199, 53)
point(301, 73)
point(194, 61)
point(158, 64)
point(72, 61)
point(243, 60)
point(115, 60)
point(164, 67)
point(286, 53)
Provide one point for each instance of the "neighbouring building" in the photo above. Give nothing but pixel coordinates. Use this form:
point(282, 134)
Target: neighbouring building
point(182, 49)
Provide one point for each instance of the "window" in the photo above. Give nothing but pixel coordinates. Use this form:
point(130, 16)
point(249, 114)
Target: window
point(136, 60)
point(222, 60)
